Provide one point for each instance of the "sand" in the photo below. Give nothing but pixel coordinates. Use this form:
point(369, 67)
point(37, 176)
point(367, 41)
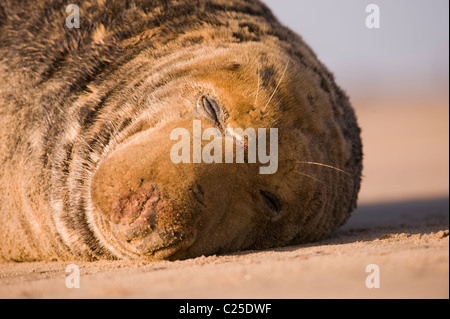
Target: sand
point(401, 225)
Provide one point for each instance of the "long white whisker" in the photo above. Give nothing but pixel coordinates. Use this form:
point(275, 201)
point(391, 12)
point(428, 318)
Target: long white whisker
point(279, 83)
point(309, 176)
point(327, 166)
point(257, 89)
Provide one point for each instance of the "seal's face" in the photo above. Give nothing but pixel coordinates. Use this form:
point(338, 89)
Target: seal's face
point(145, 204)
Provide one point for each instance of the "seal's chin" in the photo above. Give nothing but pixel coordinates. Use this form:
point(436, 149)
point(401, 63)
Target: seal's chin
point(156, 245)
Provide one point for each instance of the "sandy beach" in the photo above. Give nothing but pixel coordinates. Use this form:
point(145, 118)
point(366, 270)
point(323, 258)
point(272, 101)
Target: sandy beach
point(401, 225)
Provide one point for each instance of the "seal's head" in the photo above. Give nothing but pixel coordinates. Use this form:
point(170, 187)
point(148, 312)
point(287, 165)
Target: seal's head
point(146, 205)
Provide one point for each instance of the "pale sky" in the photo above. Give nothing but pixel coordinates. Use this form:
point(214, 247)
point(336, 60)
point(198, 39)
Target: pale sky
point(409, 54)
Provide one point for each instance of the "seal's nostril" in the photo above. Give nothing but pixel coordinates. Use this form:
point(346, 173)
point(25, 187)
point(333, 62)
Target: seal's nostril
point(197, 193)
point(272, 203)
point(200, 190)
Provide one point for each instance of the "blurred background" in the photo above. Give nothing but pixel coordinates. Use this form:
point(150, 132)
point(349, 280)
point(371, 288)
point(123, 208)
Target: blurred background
point(397, 78)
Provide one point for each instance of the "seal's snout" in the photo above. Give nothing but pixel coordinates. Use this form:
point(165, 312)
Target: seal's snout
point(149, 205)
point(140, 207)
point(136, 216)
point(145, 221)
point(136, 220)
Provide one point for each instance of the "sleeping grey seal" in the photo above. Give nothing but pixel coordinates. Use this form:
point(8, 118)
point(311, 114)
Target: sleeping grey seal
point(86, 117)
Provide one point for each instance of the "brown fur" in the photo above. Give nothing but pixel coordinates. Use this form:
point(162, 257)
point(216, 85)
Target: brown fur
point(86, 115)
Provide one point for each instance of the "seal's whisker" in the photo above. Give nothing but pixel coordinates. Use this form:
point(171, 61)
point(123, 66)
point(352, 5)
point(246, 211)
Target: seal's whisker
point(309, 176)
point(327, 166)
point(257, 89)
point(278, 86)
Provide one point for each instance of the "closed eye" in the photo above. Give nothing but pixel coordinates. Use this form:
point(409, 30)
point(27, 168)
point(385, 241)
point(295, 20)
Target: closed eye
point(272, 203)
point(211, 109)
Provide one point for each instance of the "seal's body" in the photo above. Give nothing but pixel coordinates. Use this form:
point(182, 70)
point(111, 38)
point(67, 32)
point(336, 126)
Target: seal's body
point(86, 117)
